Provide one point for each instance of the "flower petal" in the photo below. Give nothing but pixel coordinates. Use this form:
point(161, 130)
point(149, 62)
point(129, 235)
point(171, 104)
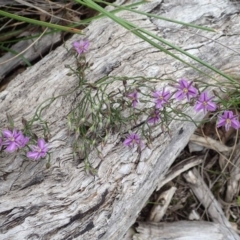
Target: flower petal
point(221, 122)
point(33, 155)
point(227, 126)
point(179, 95)
point(41, 143)
point(199, 106)
point(159, 105)
point(235, 124)
point(7, 133)
point(11, 147)
point(211, 106)
point(183, 83)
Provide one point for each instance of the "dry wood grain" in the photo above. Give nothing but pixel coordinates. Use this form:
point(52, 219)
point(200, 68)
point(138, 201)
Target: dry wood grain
point(197, 230)
point(206, 198)
point(63, 202)
point(28, 50)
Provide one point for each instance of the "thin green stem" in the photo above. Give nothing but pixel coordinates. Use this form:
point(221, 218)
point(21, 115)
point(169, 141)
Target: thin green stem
point(137, 31)
point(128, 8)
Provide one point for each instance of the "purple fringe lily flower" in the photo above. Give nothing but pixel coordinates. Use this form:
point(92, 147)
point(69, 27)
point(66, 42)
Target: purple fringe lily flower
point(205, 103)
point(228, 119)
point(81, 46)
point(39, 151)
point(155, 117)
point(134, 97)
point(162, 97)
point(132, 139)
point(185, 90)
point(13, 140)
point(24, 141)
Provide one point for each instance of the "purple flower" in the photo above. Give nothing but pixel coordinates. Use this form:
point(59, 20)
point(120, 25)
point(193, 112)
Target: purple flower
point(154, 118)
point(229, 120)
point(81, 46)
point(134, 97)
point(132, 139)
point(185, 89)
point(24, 141)
point(162, 97)
point(204, 102)
point(39, 151)
point(14, 140)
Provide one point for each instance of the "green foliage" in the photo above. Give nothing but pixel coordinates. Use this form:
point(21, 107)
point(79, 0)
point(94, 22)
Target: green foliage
point(147, 36)
point(140, 32)
point(102, 109)
point(39, 23)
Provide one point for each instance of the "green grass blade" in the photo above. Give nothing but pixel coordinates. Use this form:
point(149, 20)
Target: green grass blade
point(128, 8)
point(15, 53)
point(28, 37)
point(185, 53)
point(11, 34)
point(129, 26)
point(88, 20)
point(39, 23)
point(132, 28)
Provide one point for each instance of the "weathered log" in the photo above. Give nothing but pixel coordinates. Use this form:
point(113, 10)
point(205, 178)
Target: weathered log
point(187, 230)
point(234, 176)
point(178, 169)
point(207, 199)
point(164, 199)
point(63, 202)
point(29, 49)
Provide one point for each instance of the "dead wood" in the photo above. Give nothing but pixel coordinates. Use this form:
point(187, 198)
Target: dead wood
point(206, 198)
point(187, 230)
point(233, 182)
point(162, 203)
point(63, 202)
point(210, 143)
point(180, 168)
point(30, 50)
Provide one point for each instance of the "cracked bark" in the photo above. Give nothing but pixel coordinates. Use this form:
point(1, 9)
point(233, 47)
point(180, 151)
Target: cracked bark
point(63, 202)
